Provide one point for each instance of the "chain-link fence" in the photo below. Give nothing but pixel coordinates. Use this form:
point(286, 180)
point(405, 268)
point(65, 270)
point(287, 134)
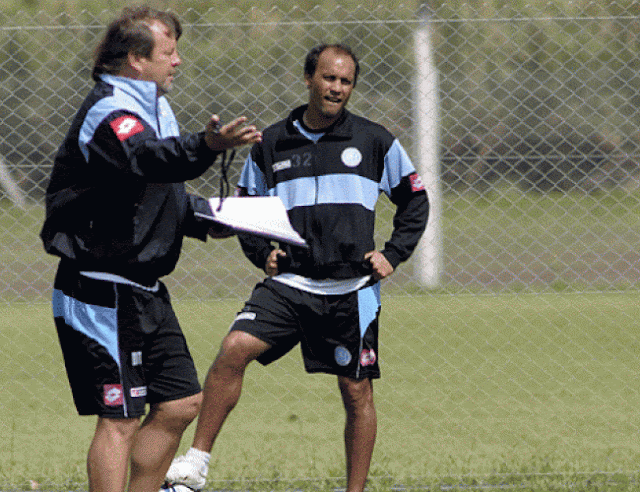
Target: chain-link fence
point(521, 356)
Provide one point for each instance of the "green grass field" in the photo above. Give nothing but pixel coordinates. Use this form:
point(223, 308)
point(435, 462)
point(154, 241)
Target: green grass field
point(534, 386)
point(539, 391)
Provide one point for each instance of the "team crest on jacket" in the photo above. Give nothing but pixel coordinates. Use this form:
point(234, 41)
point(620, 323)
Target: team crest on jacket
point(126, 126)
point(351, 157)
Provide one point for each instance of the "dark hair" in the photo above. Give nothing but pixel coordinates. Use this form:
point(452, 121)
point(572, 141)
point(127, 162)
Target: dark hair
point(311, 61)
point(131, 33)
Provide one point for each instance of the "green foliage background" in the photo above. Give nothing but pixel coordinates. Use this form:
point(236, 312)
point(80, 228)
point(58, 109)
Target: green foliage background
point(533, 82)
point(552, 80)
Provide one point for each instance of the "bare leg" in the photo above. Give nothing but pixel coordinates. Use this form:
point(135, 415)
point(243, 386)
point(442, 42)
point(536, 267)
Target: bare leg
point(360, 430)
point(108, 459)
point(223, 385)
point(157, 441)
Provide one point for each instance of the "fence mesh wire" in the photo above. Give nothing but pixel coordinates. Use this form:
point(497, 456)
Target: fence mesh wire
point(532, 323)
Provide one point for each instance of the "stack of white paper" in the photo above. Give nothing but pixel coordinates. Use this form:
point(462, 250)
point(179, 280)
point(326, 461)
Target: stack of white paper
point(263, 216)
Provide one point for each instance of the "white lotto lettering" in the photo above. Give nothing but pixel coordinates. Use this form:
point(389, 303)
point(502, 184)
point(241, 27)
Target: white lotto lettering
point(281, 166)
point(247, 316)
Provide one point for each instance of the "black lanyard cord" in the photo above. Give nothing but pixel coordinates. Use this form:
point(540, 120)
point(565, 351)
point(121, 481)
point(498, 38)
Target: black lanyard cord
point(224, 179)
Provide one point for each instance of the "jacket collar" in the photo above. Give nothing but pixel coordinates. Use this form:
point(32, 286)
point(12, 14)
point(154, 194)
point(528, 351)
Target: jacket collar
point(143, 91)
point(342, 128)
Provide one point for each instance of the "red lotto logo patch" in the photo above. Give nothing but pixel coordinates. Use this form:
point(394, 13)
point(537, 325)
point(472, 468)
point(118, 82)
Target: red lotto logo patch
point(416, 182)
point(126, 126)
point(113, 395)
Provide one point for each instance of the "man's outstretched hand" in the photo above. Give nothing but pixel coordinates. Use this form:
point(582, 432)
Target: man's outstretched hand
point(234, 134)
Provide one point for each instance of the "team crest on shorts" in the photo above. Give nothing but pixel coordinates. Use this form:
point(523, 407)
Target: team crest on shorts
point(368, 357)
point(342, 356)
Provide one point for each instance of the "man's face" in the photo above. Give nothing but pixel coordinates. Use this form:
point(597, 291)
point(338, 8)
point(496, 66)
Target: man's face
point(330, 86)
point(161, 66)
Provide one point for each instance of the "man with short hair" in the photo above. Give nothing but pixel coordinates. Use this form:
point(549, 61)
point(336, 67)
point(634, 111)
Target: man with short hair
point(116, 214)
point(328, 166)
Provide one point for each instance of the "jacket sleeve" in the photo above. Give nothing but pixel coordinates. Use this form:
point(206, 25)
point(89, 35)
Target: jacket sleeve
point(407, 193)
point(196, 224)
point(256, 249)
point(409, 221)
point(126, 144)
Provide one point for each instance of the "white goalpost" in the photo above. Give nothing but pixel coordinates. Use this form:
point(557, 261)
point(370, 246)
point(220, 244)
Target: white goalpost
point(10, 186)
point(429, 251)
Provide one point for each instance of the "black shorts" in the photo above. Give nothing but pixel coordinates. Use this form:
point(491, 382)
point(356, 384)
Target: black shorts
point(338, 333)
point(122, 345)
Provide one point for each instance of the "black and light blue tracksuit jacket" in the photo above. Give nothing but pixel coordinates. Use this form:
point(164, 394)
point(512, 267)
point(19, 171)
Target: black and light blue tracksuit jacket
point(330, 189)
point(116, 200)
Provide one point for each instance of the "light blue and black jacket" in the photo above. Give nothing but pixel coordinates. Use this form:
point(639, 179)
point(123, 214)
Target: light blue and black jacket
point(330, 188)
point(116, 200)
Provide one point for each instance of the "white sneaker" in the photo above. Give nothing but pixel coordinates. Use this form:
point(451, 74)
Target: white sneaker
point(184, 471)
